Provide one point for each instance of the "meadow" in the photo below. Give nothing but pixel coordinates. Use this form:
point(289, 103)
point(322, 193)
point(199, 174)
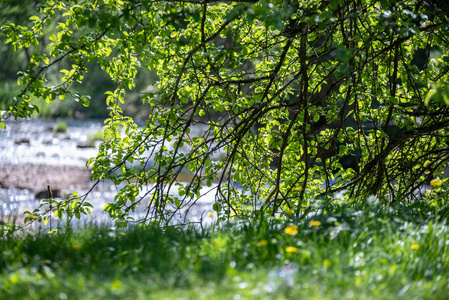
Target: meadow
point(360, 250)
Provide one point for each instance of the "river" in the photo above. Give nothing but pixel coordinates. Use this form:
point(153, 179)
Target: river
point(34, 155)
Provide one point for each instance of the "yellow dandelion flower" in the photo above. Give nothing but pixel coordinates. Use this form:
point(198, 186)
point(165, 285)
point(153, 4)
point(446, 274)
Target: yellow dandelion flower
point(414, 247)
point(77, 246)
point(291, 249)
point(211, 214)
point(315, 223)
point(290, 211)
point(262, 243)
point(291, 230)
point(436, 182)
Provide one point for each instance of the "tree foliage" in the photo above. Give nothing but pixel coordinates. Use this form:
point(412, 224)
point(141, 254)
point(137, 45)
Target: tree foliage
point(295, 98)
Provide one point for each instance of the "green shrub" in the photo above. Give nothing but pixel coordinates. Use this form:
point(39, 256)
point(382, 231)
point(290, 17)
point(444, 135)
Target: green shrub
point(97, 136)
point(61, 126)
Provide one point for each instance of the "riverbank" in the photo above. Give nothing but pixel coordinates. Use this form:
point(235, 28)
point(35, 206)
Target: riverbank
point(36, 177)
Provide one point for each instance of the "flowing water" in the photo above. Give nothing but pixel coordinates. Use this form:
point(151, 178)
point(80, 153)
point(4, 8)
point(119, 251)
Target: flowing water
point(33, 155)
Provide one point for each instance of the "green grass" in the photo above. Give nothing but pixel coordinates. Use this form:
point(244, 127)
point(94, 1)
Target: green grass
point(361, 251)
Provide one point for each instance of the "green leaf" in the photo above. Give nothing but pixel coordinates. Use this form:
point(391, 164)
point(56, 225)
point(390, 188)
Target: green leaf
point(429, 95)
point(217, 207)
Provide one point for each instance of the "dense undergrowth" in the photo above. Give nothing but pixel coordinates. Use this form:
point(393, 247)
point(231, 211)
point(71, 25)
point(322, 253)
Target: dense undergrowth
point(361, 251)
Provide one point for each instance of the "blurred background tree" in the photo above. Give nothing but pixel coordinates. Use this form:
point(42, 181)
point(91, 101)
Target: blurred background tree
point(96, 82)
